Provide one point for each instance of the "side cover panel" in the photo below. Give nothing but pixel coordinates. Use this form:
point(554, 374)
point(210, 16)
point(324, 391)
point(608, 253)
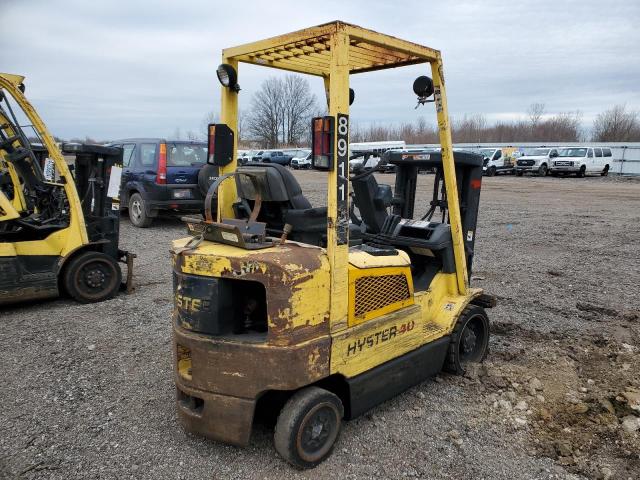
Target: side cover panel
point(28, 277)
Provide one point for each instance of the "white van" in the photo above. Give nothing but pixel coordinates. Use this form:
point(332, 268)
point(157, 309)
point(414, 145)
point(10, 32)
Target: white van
point(582, 161)
point(535, 160)
point(496, 160)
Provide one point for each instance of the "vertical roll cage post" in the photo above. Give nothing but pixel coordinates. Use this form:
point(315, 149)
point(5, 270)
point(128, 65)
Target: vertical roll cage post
point(333, 51)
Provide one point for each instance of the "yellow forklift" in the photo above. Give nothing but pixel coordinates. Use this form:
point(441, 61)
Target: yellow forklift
point(58, 232)
point(315, 315)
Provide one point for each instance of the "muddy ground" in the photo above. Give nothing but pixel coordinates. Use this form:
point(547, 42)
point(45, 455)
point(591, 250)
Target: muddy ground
point(87, 390)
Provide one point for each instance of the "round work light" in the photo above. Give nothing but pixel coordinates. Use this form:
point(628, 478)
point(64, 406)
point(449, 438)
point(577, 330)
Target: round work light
point(228, 76)
point(423, 86)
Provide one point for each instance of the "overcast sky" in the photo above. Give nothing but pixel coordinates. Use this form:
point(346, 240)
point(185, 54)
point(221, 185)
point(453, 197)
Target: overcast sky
point(112, 68)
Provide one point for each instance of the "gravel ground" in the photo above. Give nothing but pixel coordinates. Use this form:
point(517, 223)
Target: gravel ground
point(88, 391)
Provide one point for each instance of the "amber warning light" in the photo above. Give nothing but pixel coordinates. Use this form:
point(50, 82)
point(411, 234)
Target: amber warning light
point(322, 142)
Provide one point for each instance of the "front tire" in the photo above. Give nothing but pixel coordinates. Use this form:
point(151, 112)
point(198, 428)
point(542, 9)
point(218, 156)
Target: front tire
point(491, 171)
point(581, 172)
point(308, 427)
point(519, 173)
point(469, 341)
point(605, 171)
point(138, 212)
point(542, 171)
point(92, 277)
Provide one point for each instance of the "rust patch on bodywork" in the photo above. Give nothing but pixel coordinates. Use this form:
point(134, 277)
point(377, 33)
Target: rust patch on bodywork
point(248, 369)
point(295, 278)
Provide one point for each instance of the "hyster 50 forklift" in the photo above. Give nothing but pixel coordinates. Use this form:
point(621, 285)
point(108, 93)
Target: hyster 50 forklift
point(319, 314)
point(58, 232)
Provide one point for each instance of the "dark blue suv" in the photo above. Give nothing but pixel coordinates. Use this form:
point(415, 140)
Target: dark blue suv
point(161, 176)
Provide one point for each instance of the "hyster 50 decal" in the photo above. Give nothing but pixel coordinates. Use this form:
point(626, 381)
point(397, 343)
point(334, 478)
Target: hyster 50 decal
point(378, 337)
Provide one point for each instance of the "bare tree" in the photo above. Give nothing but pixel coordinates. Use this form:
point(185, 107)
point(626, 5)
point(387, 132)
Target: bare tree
point(210, 117)
point(616, 125)
point(265, 120)
point(281, 111)
point(535, 112)
point(298, 104)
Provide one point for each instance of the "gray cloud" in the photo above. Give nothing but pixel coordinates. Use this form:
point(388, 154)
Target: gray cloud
point(128, 68)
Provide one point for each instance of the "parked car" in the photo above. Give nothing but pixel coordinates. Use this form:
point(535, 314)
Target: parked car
point(273, 156)
point(496, 160)
point(160, 176)
point(301, 159)
point(244, 156)
point(257, 155)
point(582, 161)
point(535, 160)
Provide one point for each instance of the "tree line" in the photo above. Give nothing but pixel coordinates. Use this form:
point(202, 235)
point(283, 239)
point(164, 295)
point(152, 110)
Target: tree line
point(282, 109)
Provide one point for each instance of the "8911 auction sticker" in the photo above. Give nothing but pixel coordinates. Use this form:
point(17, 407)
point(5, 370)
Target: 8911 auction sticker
point(342, 164)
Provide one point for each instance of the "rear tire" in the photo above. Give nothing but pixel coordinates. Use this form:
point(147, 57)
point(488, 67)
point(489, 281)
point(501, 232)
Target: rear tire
point(308, 427)
point(138, 212)
point(605, 172)
point(92, 277)
point(469, 341)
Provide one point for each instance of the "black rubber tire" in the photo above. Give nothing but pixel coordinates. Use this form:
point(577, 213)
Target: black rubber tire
point(91, 277)
point(475, 318)
point(137, 212)
point(605, 171)
point(519, 173)
point(293, 424)
point(543, 170)
point(206, 176)
point(580, 173)
point(491, 171)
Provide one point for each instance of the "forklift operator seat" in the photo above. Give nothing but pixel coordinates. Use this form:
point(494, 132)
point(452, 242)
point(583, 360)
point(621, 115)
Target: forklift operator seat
point(282, 203)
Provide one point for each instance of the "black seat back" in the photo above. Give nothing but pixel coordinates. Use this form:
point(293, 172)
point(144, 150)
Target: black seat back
point(277, 182)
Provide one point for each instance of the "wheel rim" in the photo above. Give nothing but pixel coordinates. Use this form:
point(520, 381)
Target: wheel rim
point(95, 277)
point(136, 209)
point(318, 431)
point(472, 341)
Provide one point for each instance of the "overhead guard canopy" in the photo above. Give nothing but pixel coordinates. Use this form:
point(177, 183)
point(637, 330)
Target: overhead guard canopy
point(309, 50)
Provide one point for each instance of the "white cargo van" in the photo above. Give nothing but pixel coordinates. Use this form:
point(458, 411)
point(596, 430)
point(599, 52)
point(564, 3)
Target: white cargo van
point(496, 160)
point(582, 161)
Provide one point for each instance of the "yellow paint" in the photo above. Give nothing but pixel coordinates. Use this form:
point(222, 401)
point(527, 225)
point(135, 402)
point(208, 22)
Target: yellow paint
point(229, 115)
point(7, 210)
point(7, 250)
point(451, 184)
point(338, 254)
point(64, 241)
point(361, 259)
point(357, 273)
point(372, 343)
point(215, 260)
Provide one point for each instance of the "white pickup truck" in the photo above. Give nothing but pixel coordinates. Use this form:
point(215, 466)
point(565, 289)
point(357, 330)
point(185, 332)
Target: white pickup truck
point(582, 161)
point(536, 160)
